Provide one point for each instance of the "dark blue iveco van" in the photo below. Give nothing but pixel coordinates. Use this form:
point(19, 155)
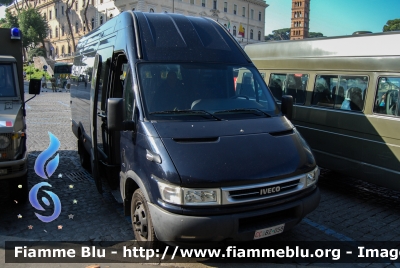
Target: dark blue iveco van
point(171, 111)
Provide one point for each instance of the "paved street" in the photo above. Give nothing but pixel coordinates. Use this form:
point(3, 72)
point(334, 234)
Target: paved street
point(350, 210)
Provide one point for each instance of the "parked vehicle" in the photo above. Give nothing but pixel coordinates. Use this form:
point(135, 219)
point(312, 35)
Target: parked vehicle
point(13, 152)
point(167, 120)
point(346, 99)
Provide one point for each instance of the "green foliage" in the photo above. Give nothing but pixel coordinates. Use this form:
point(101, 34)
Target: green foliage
point(280, 34)
point(33, 26)
point(32, 72)
point(314, 35)
point(36, 52)
point(392, 25)
point(9, 21)
point(6, 2)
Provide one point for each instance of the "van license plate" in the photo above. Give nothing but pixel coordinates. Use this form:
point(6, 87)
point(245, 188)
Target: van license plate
point(269, 231)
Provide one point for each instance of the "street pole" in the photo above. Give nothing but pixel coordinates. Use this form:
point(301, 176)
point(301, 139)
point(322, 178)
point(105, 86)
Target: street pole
point(173, 6)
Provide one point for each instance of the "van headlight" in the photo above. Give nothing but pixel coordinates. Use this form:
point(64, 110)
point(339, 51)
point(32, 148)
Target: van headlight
point(312, 177)
point(4, 142)
point(187, 196)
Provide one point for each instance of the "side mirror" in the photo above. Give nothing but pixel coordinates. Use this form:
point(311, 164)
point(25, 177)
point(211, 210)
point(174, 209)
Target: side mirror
point(115, 116)
point(287, 106)
point(34, 86)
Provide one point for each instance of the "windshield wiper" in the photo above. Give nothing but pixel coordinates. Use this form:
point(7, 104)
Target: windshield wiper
point(253, 110)
point(188, 112)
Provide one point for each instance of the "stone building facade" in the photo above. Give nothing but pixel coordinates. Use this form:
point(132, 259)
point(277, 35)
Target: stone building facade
point(245, 19)
point(300, 19)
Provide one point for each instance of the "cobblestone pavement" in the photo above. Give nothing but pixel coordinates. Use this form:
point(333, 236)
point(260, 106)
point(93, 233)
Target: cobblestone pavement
point(350, 210)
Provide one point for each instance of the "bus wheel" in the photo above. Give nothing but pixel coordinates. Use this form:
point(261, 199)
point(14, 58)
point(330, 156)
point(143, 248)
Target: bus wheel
point(141, 220)
point(84, 156)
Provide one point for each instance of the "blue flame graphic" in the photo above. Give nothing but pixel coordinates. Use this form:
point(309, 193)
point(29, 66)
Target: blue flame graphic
point(45, 155)
point(50, 169)
point(35, 203)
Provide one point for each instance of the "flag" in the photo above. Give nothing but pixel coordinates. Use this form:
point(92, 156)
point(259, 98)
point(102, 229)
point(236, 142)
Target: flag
point(241, 30)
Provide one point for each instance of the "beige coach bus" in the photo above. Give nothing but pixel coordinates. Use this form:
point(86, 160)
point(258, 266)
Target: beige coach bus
point(346, 99)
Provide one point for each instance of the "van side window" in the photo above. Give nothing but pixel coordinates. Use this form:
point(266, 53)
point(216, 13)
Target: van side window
point(340, 92)
point(387, 98)
point(289, 84)
point(128, 96)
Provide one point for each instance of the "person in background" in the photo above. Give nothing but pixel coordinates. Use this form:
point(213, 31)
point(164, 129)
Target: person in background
point(53, 83)
point(44, 83)
point(68, 86)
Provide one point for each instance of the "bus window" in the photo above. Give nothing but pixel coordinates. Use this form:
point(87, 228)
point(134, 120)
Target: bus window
point(275, 85)
point(289, 84)
point(387, 96)
point(340, 92)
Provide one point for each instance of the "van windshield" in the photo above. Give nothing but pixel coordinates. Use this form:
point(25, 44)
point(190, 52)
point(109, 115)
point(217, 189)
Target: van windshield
point(204, 92)
point(7, 82)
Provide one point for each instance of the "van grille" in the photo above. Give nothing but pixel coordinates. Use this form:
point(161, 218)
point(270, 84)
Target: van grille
point(248, 193)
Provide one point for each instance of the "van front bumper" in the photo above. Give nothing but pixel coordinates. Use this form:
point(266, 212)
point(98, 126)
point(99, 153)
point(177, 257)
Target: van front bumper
point(171, 227)
point(14, 168)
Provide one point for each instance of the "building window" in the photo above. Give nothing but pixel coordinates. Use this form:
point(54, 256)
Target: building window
point(92, 23)
point(243, 12)
point(259, 16)
point(76, 5)
point(56, 31)
point(215, 4)
point(192, 2)
point(69, 49)
point(50, 15)
point(44, 16)
point(111, 15)
point(101, 1)
point(62, 30)
point(203, 3)
point(76, 27)
point(57, 51)
point(234, 9)
point(252, 14)
point(234, 30)
point(259, 35)
point(51, 33)
point(55, 12)
point(62, 10)
point(101, 20)
point(62, 50)
point(151, 10)
point(225, 6)
point(84, 26)
point(92, 2)
point(251, 34)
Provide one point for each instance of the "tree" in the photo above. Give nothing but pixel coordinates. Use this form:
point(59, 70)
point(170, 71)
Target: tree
point(85, 15)
point(314, 35)
point(33, 26)
point(280, 34)
point(392, 25)
point(9, 21)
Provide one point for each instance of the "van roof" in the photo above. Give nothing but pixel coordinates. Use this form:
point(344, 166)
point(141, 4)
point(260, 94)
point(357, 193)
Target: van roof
point(175, 37)
point(364, 45)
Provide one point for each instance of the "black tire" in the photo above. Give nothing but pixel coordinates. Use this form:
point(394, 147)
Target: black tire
point(84, 156)
point(141, 220)
point(20, 190)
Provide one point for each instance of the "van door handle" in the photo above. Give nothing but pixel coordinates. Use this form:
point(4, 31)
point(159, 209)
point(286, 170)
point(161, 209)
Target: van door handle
point(102, 115)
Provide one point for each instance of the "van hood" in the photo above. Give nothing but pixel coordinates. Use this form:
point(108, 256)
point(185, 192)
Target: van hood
point(228, 153)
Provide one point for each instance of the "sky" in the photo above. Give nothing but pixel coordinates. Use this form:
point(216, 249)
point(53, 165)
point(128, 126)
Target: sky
point(335, 17)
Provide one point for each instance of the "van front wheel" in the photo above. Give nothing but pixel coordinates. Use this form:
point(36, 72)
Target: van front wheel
point(141, 219)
